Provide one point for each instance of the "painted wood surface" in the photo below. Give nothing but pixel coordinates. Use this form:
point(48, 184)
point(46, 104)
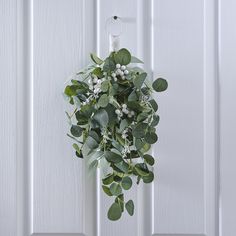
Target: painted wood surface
point(45, 190)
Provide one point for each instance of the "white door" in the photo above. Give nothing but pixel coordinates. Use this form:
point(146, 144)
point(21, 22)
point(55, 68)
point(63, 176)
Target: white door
point(44, 190)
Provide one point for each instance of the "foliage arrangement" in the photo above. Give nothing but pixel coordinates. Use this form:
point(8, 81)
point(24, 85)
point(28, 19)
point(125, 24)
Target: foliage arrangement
point(113, 123)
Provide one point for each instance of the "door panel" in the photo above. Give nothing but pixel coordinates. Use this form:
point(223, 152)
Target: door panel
point(45, 190)
point(8, 118)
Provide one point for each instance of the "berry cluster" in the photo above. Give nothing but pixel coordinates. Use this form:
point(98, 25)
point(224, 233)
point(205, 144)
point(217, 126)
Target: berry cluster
point(120, 71)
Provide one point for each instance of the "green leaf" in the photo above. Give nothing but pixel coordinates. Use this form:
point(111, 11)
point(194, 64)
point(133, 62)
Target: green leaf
point(106, 190)
point(117, 146)
point(160, 85)
point(70, 90)
point(155, 120)
point(103, 100)
point(149, 159)
point(98, 72)
point(76, 130)
point(135, 60)
point(123, 124)
point(112, 157)
point(117, 178)
point(79, 154)
point(139, 143)
point(114, 212)
point(129, 206)
point(105, 86)
point(93, 164)
point(96, 59)
point(153, 104)
point(115, 189)
point(126, 183)
point(149, 178)
point(122, 57)
point(151, 138)
point(91, 142)
point(120, 200)
point(133, 96)
point(123, 166)
point(135, 106)
point(146, 147)
point(139, 79)
point(108, 180)
point(94, 135)
point(76, 147)
point(101, 117)
point(142, 116)
point(139, 130)
point(141, 169)
point(81, 118)
point(109, 65)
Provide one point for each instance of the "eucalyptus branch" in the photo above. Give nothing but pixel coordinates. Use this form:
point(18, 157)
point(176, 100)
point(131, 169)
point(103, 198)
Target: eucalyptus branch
point(114, 121)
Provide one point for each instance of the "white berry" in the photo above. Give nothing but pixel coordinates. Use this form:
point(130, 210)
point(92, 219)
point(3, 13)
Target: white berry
point(126, 72)
point(113, 74)
point(125, 111)
point(95, 79)
point(123, 77)
point(117, 111)
point(117, 66)
point(118, 71)
point(124, 106)
point(123, 67)
point(121, 73)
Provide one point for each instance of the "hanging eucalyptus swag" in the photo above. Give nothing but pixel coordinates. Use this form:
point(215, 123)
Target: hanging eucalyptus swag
point(113, 123)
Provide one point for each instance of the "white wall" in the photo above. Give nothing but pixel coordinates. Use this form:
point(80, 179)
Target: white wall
point(45, 190)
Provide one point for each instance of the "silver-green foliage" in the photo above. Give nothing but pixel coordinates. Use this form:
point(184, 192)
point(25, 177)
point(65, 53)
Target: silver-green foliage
point(114, 120)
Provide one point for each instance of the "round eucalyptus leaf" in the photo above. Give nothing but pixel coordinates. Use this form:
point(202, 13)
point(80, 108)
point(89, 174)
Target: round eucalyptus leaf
point(115, 189)
point(120, 200)
point(101, 117)
point(81, 118)
point(139, 130)
point(91, 142)
point(149, 178)
point(114, 212)
point(112, 157)
point(122, 166)
point(141, 169)
point(142, 116)
point(105, 86)
point(151, 138)
point(108, 179)
point(154, 104)
point(149, 159)
point(103, 100)
point(96, 59)
point(155, 120)
point(126, 183)
point(76, 130)
point(122, 57)
point(129, 206)
point(160, 85)
point(139, 79)
point(106, 190)
point(109, 65)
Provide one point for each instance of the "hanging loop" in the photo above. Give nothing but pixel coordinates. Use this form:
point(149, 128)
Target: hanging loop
point(114, 27)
